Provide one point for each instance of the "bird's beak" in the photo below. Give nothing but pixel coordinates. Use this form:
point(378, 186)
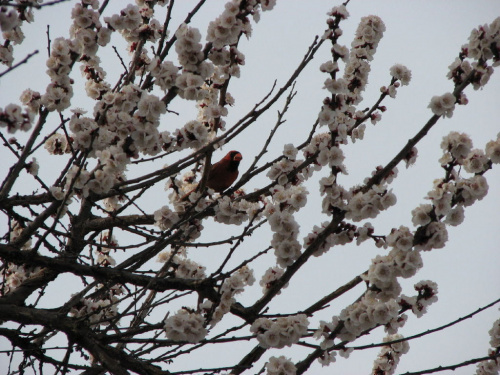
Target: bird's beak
point(237, 157)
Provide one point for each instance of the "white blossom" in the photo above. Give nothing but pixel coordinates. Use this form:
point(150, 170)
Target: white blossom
point(443, 105)
point(401, 73)
point(280, 366)
point(185, 326)
point(476, 162)
point(281, 332)
point(390, 355)
point(493, 151)
point(165, 218)
point(150, 107)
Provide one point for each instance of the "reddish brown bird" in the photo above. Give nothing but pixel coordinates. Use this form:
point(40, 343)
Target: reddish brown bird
point(223, 173)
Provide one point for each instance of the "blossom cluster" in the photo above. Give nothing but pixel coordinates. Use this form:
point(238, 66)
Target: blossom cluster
point(11, 21)
point(281, 332)
point(121, 127)
point(16, 230)
point(136, 24)
point(285, 232)
point(191, 57)
point(13, 276)
point(367, 313)
point(491, 367)
point(280, 169)
point(210, 112)
point(13, 118)
point(104, 258)
point(58, 94)
point(400, 262)
point(230, 211)
point(231, 286)
point(269, 278)
point(427, 295)
point(390, 355)
point(165, 73)
point(280, 366)
point(87, 31)
point(185, 326)
point(342, 236)
point(224, 32)
point(484, 45)
point(165, 218)
point(182, 267)
point(57, 144)
point(401, 75)
point(443, 105)
point(364, 46)
point(368, 205)
point(382, 304)
point(101, 311)
point(495, 334)
point(226, 29)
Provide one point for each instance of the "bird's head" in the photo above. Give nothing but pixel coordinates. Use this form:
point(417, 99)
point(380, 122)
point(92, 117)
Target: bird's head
point(233, 158)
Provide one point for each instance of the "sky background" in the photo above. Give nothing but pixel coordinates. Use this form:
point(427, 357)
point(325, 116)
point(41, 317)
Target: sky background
point(426, 36)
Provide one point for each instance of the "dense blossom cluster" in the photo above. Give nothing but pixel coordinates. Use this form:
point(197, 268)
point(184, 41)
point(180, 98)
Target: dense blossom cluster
point(287, 198)
point(390, 355)
point(165, 73)
point(185, 326)
point(285, 232)
point(224, 32)
point(363, 48)
point(281, 332)
point(385, 270)
point(368, 205)
point(58, 94)
point(365, 314)
point(191, 57)
point(372, 310)
point(226, 29)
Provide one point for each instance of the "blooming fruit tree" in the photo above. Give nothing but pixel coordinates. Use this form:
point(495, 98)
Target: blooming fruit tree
point(104, 272)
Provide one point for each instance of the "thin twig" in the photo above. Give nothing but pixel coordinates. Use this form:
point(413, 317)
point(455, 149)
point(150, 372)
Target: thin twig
point(23, 61)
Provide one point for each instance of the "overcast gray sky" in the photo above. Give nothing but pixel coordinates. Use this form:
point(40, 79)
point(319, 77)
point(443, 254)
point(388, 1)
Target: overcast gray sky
point(426, 36)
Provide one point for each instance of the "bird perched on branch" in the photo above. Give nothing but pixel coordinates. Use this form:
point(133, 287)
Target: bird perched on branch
point(223, 173)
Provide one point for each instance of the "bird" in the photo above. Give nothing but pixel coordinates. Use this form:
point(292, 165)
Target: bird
point(223, 173)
